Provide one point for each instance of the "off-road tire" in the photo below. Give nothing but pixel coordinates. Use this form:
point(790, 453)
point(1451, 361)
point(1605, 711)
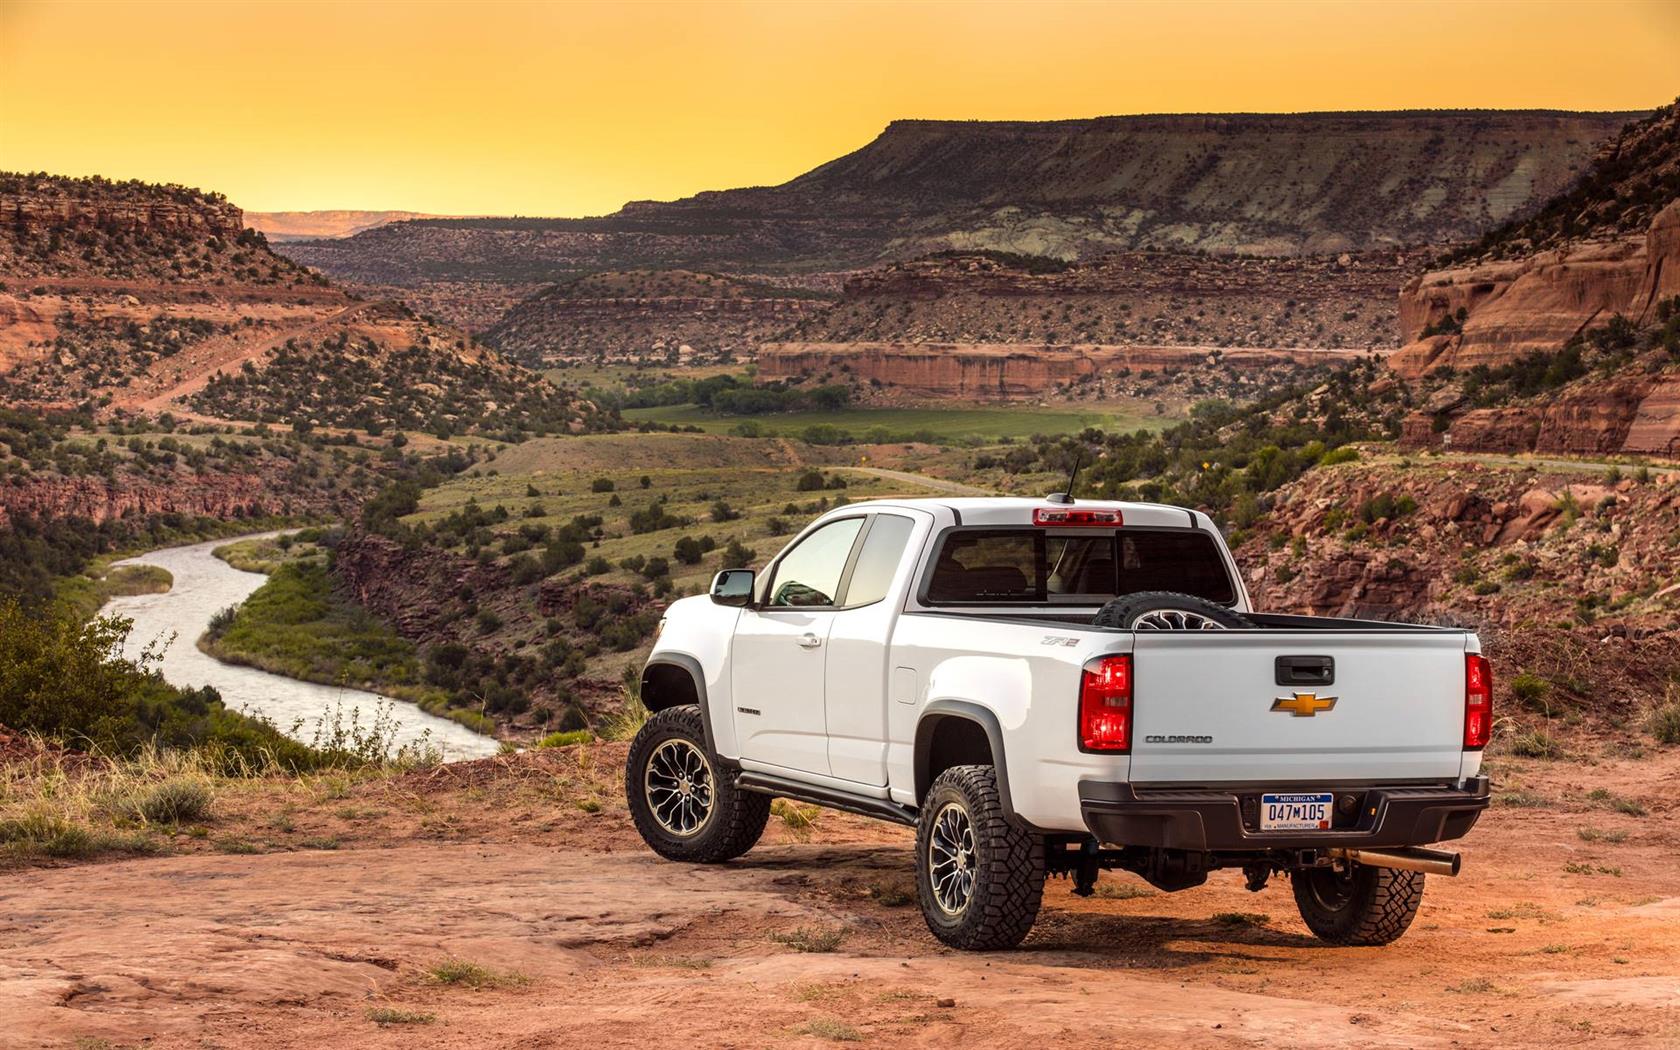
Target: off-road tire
point(1125, 610)
point(1008, 865)
point(737, 817)
point(1366, 906)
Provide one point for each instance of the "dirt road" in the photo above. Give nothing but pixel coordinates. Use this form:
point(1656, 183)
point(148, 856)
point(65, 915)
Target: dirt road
point(1549, 939)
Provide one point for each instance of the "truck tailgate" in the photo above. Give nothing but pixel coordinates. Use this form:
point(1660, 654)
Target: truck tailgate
point(1205, 707)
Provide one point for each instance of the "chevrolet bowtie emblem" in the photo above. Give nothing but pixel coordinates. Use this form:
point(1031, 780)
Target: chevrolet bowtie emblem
point(1304, 705)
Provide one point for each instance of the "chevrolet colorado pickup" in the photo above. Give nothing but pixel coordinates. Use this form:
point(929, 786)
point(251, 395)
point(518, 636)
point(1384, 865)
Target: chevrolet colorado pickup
point(1054, 688)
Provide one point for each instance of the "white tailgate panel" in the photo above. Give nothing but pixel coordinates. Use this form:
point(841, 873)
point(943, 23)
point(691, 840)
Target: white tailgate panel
point(1399, 712)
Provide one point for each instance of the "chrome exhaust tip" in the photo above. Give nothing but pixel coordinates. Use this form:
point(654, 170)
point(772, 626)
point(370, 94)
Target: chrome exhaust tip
point(1405, 858)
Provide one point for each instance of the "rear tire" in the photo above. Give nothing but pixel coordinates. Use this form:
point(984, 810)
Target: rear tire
point(684, 803)
point(979, 878)
point(1360, 905)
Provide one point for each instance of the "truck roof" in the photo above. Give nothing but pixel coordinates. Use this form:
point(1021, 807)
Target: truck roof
point(1017, 510)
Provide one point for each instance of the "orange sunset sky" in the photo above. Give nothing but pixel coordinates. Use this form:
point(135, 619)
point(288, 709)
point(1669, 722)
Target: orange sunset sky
point(574, 108)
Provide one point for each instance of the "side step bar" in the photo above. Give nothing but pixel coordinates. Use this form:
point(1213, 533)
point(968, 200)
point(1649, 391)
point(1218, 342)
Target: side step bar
point(769, 784)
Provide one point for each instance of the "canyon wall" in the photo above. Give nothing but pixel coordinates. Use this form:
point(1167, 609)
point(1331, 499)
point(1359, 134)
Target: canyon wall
point(1516, 307)
point(100, 500)
point(1001, 371)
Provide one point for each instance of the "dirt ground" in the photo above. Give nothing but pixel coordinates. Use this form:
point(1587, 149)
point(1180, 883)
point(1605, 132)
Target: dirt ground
point(314, 913)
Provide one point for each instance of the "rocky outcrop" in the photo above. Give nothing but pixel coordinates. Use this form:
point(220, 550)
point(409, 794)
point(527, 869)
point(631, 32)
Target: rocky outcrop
point(999, 371)
point(39, 212)
point(99, 500)
point(1511, 308)
point(1628, 414)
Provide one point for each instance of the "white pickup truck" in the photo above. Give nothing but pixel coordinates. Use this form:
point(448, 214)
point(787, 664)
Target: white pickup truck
point(1055, 687)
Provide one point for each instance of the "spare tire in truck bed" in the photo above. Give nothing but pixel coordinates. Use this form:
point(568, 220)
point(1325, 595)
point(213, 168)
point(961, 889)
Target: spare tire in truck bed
point(1168, 611)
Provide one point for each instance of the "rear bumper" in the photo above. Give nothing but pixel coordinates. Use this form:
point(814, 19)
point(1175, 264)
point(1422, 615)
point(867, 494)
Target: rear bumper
point(1207, 820)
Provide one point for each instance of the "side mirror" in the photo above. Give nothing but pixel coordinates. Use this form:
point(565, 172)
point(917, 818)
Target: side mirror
point(733, 587)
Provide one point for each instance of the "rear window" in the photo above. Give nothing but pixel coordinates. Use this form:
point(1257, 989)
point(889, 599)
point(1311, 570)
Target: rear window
point(1048, 566)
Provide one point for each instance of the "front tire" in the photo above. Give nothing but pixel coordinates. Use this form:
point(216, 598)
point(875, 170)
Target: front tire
point(1358, 905)
point(979, 878)
point(685, 805)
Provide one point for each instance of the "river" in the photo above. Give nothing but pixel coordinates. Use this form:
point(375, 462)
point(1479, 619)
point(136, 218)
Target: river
point(205, 584)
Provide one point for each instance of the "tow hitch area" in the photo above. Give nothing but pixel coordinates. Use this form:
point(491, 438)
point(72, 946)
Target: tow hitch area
point(1174, 869)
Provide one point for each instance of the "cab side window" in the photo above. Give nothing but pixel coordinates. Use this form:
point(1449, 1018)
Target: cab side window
point(809, 574)
point(878, 561)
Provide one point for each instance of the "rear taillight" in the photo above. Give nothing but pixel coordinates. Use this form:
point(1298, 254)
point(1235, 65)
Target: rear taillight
point(1478, 701)
point(1105, 705)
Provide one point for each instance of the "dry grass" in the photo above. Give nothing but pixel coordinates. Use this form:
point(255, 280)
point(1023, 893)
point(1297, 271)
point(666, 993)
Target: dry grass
point(806, 939)
point(66, 805)
point(386, 1015)
point(467, 974)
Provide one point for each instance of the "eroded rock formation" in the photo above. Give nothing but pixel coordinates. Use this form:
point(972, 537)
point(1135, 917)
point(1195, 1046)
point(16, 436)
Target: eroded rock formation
point(1516, 307)
point(1000, 371)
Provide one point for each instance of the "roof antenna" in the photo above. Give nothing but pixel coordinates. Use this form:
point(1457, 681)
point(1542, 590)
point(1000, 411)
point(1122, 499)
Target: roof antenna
point(1073, 476)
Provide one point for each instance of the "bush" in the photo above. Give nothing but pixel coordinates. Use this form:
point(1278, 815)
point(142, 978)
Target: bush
point(736, 556)
point(1664, 723)
point(811, 481)
point(722, 512)
point(68, 681)
point(601, 485)
point(687, 551)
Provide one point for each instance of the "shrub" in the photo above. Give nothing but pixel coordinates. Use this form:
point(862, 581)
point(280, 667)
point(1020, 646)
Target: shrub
point(722, 512)
point(688, 551)
point(1531, 691)
point(1664, 723)
point(736, 556)
point(602, 485)
point(811, 481)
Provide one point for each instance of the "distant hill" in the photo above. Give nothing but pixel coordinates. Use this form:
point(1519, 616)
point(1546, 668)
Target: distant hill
point(129, 297)
point(281, 226)
point(1237, 183)
point(1632, 177)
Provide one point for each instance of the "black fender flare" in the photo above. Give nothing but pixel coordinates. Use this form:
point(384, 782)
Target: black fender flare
point(987, 720)
point(697, 674)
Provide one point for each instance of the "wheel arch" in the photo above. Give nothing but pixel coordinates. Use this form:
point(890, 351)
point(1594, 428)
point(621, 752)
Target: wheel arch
point(959, 732)
point(674, 680)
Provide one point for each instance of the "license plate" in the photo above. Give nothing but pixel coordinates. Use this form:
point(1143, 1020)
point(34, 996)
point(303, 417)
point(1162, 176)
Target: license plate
point(1310, 812)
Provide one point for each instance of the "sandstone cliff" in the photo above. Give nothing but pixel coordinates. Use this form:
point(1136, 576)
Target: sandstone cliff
point(1005, 371)
point(1537, 303)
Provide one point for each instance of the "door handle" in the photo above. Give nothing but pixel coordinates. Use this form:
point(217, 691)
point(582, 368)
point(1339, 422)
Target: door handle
point(809, 641)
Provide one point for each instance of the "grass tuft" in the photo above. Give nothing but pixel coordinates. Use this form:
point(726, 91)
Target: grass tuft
point(828, 1028)
point(1241, 918)
point(1122, 891)
point(178, 800)
point(387, 1015)
point(806, 939)
point(471, 975)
